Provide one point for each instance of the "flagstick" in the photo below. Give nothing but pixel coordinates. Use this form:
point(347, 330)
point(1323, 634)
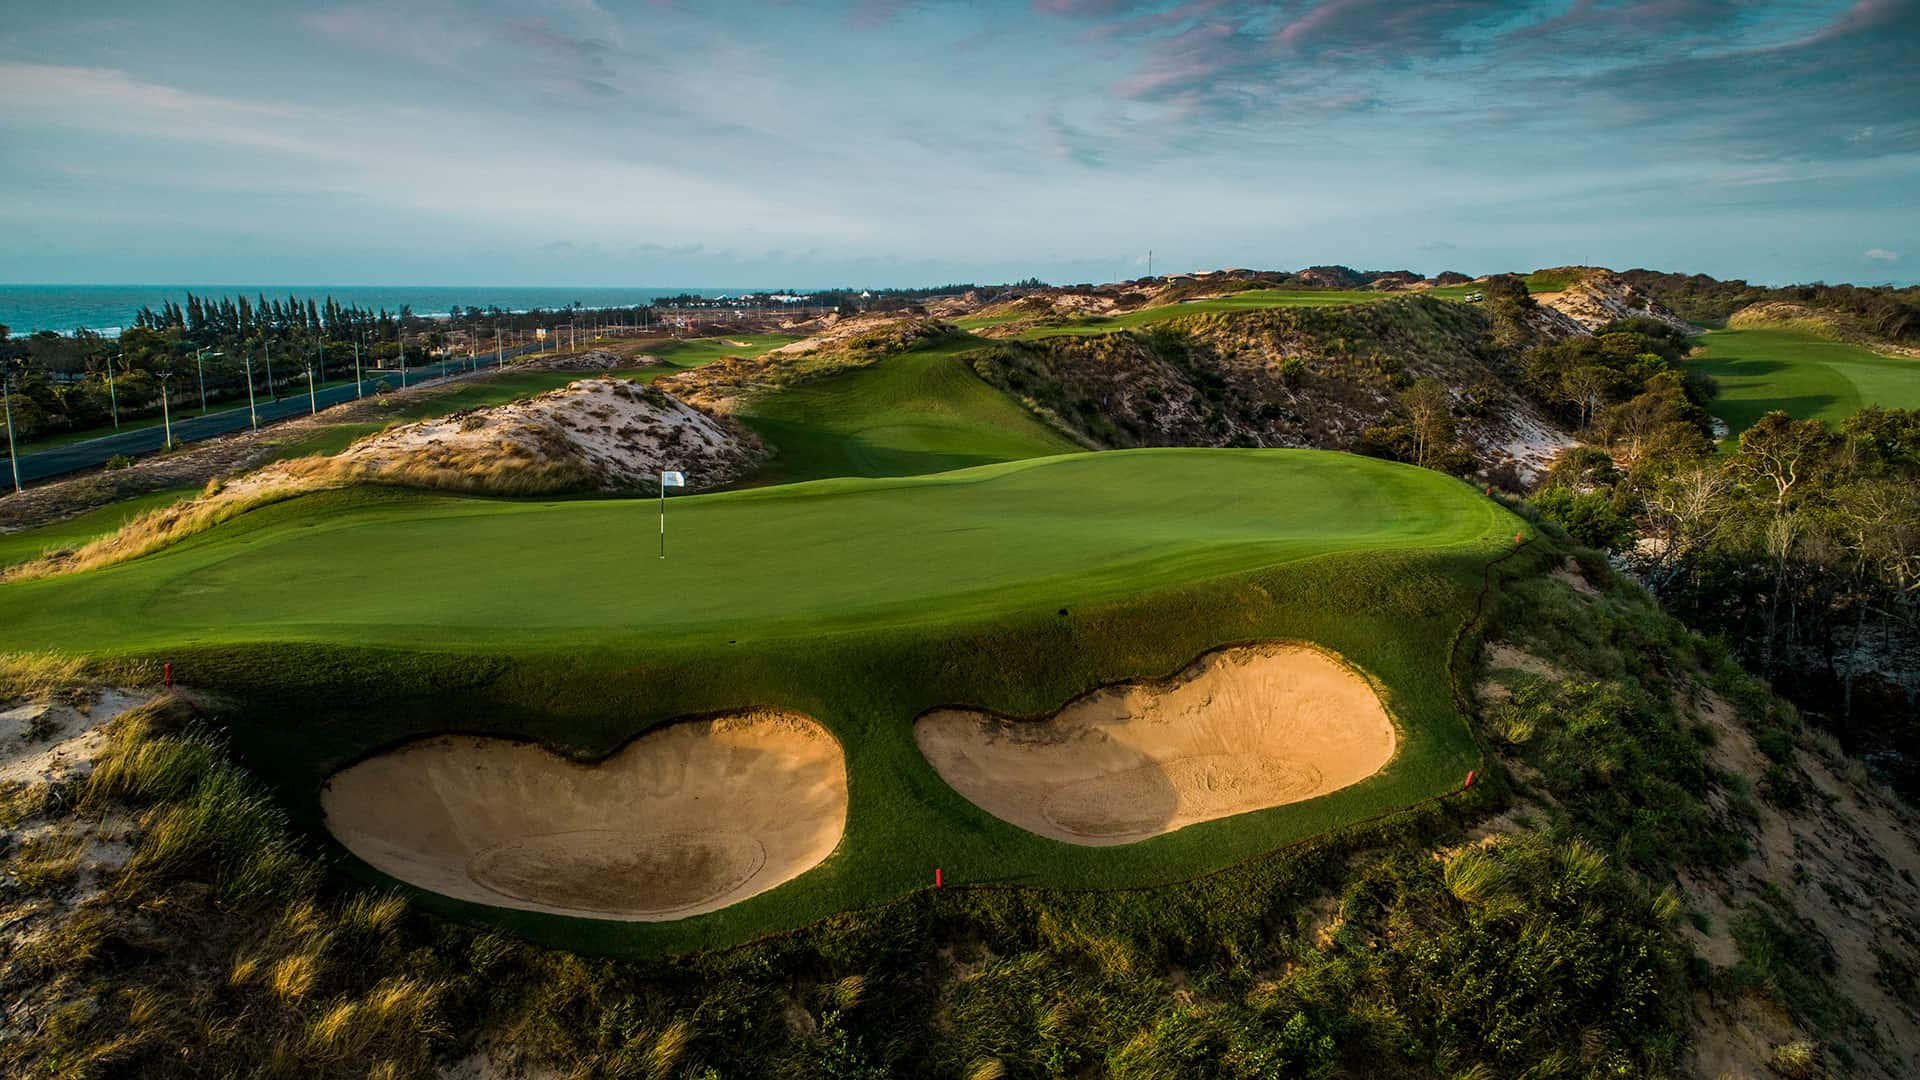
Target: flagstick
point(663, 517)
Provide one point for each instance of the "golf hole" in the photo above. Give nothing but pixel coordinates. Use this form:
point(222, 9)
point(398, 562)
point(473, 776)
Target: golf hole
point(686, 819)
point(1240, 729)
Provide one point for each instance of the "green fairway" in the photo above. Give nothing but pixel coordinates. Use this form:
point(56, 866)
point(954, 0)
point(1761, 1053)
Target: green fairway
point(18, 547)
point(348, 621)
point(918, 412)
point(1807, 376)
point(1251, 300)
point(693, 352)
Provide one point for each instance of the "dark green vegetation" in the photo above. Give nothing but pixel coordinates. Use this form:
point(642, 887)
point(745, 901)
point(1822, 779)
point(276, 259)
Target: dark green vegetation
point(1761, 370)
point(862, 603)
point(1883, 312)
point(1309, 374)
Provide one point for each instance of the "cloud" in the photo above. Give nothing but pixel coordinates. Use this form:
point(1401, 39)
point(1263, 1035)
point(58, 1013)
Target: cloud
point(1883, 255)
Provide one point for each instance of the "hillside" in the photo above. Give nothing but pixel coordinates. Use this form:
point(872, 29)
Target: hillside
point(1295, 376)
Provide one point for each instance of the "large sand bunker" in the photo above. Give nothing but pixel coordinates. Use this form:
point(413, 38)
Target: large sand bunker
point(1240, 729)
point(686, 819)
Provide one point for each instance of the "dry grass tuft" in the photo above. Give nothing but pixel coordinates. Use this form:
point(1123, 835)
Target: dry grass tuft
point(38, 674)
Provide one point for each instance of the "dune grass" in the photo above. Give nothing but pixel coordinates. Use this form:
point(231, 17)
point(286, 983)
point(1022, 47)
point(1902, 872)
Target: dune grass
point(28, 544)
point(351, 620)
point(1809, 377)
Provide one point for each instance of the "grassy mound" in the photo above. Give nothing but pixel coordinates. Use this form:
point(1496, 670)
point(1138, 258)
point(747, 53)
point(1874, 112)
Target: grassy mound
point(1808, 376)
point(354, 620)
point(911, 414)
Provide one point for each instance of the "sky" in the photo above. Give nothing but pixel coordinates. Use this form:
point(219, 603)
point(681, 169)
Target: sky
point(585, 143)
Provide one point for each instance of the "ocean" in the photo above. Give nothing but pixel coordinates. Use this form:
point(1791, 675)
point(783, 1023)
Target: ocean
point(25, 309)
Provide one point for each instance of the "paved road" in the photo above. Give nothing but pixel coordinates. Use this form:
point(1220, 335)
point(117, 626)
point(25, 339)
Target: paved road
point(191, 427)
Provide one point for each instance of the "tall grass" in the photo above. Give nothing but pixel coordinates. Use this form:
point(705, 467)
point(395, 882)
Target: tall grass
point(38, 674)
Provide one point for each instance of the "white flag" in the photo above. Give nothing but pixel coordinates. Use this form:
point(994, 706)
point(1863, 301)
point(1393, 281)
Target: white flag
point(672, 479)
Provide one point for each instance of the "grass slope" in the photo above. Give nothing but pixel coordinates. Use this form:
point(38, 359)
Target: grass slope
point(27, 544)
point(919, 412)
point(1763, 369)
point(350, 621)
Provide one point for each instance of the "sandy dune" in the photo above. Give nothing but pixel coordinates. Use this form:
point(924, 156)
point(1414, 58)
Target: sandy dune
point(686, 819)
point(1240, 729)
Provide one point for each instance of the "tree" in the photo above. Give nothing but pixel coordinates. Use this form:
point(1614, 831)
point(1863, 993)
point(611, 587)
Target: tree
point(1429, 410)
point(1585, 387)
point(1783, 451)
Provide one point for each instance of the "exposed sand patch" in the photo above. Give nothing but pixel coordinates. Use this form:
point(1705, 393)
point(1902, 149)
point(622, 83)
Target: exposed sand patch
point(686, 819)
point(52, 740)
point(1240, 729)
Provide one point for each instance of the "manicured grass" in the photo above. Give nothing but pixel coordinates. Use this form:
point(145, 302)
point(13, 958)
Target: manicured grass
point(1807, 376)
point(918, 412)
point(1251, 300)
point(347, 621)
point(693, 352)
point(19, 547)
point(1546, 281)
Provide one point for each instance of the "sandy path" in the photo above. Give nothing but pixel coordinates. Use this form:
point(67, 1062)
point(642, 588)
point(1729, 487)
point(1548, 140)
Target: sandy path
point(686, 819)
point(1240, 729)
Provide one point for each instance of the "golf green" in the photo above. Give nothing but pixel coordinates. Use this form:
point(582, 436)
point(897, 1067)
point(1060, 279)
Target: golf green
point(340, 624)
point(1806, 376)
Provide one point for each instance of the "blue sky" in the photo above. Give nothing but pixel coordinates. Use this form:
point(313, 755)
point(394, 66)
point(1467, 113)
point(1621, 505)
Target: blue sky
point(583, 143)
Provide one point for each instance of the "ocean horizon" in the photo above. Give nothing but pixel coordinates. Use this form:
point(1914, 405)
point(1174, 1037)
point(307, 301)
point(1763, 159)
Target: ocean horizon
point(108, 309)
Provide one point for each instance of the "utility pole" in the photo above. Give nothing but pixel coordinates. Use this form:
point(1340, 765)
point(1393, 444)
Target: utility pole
point(359, 386)
point(266, 347)
point(403, 358)
point(313, 404)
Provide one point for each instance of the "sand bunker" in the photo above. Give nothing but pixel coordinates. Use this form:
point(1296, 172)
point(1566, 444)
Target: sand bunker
point(686, 819)
point(1240, 729)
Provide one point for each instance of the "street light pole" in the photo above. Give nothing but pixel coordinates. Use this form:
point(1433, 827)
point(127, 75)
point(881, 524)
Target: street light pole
point(359, 389)
point(6, 395)
point(313, 404)
point(253, 413)
point(403, 358)
point(199, 367)
point(166, 409)
point(113, 399)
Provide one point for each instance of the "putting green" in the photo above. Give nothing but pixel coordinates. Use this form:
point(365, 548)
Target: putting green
point(1806, 376)
point(345, 623)
point(373, 568)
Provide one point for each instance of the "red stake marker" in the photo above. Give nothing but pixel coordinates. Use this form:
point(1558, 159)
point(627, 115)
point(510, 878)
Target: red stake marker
point(166, 673)
point(1516, 539)
point(936, 877)
point(1469, 782)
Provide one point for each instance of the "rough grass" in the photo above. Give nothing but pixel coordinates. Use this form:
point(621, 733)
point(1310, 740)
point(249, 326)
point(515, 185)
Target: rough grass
point(37, 674)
